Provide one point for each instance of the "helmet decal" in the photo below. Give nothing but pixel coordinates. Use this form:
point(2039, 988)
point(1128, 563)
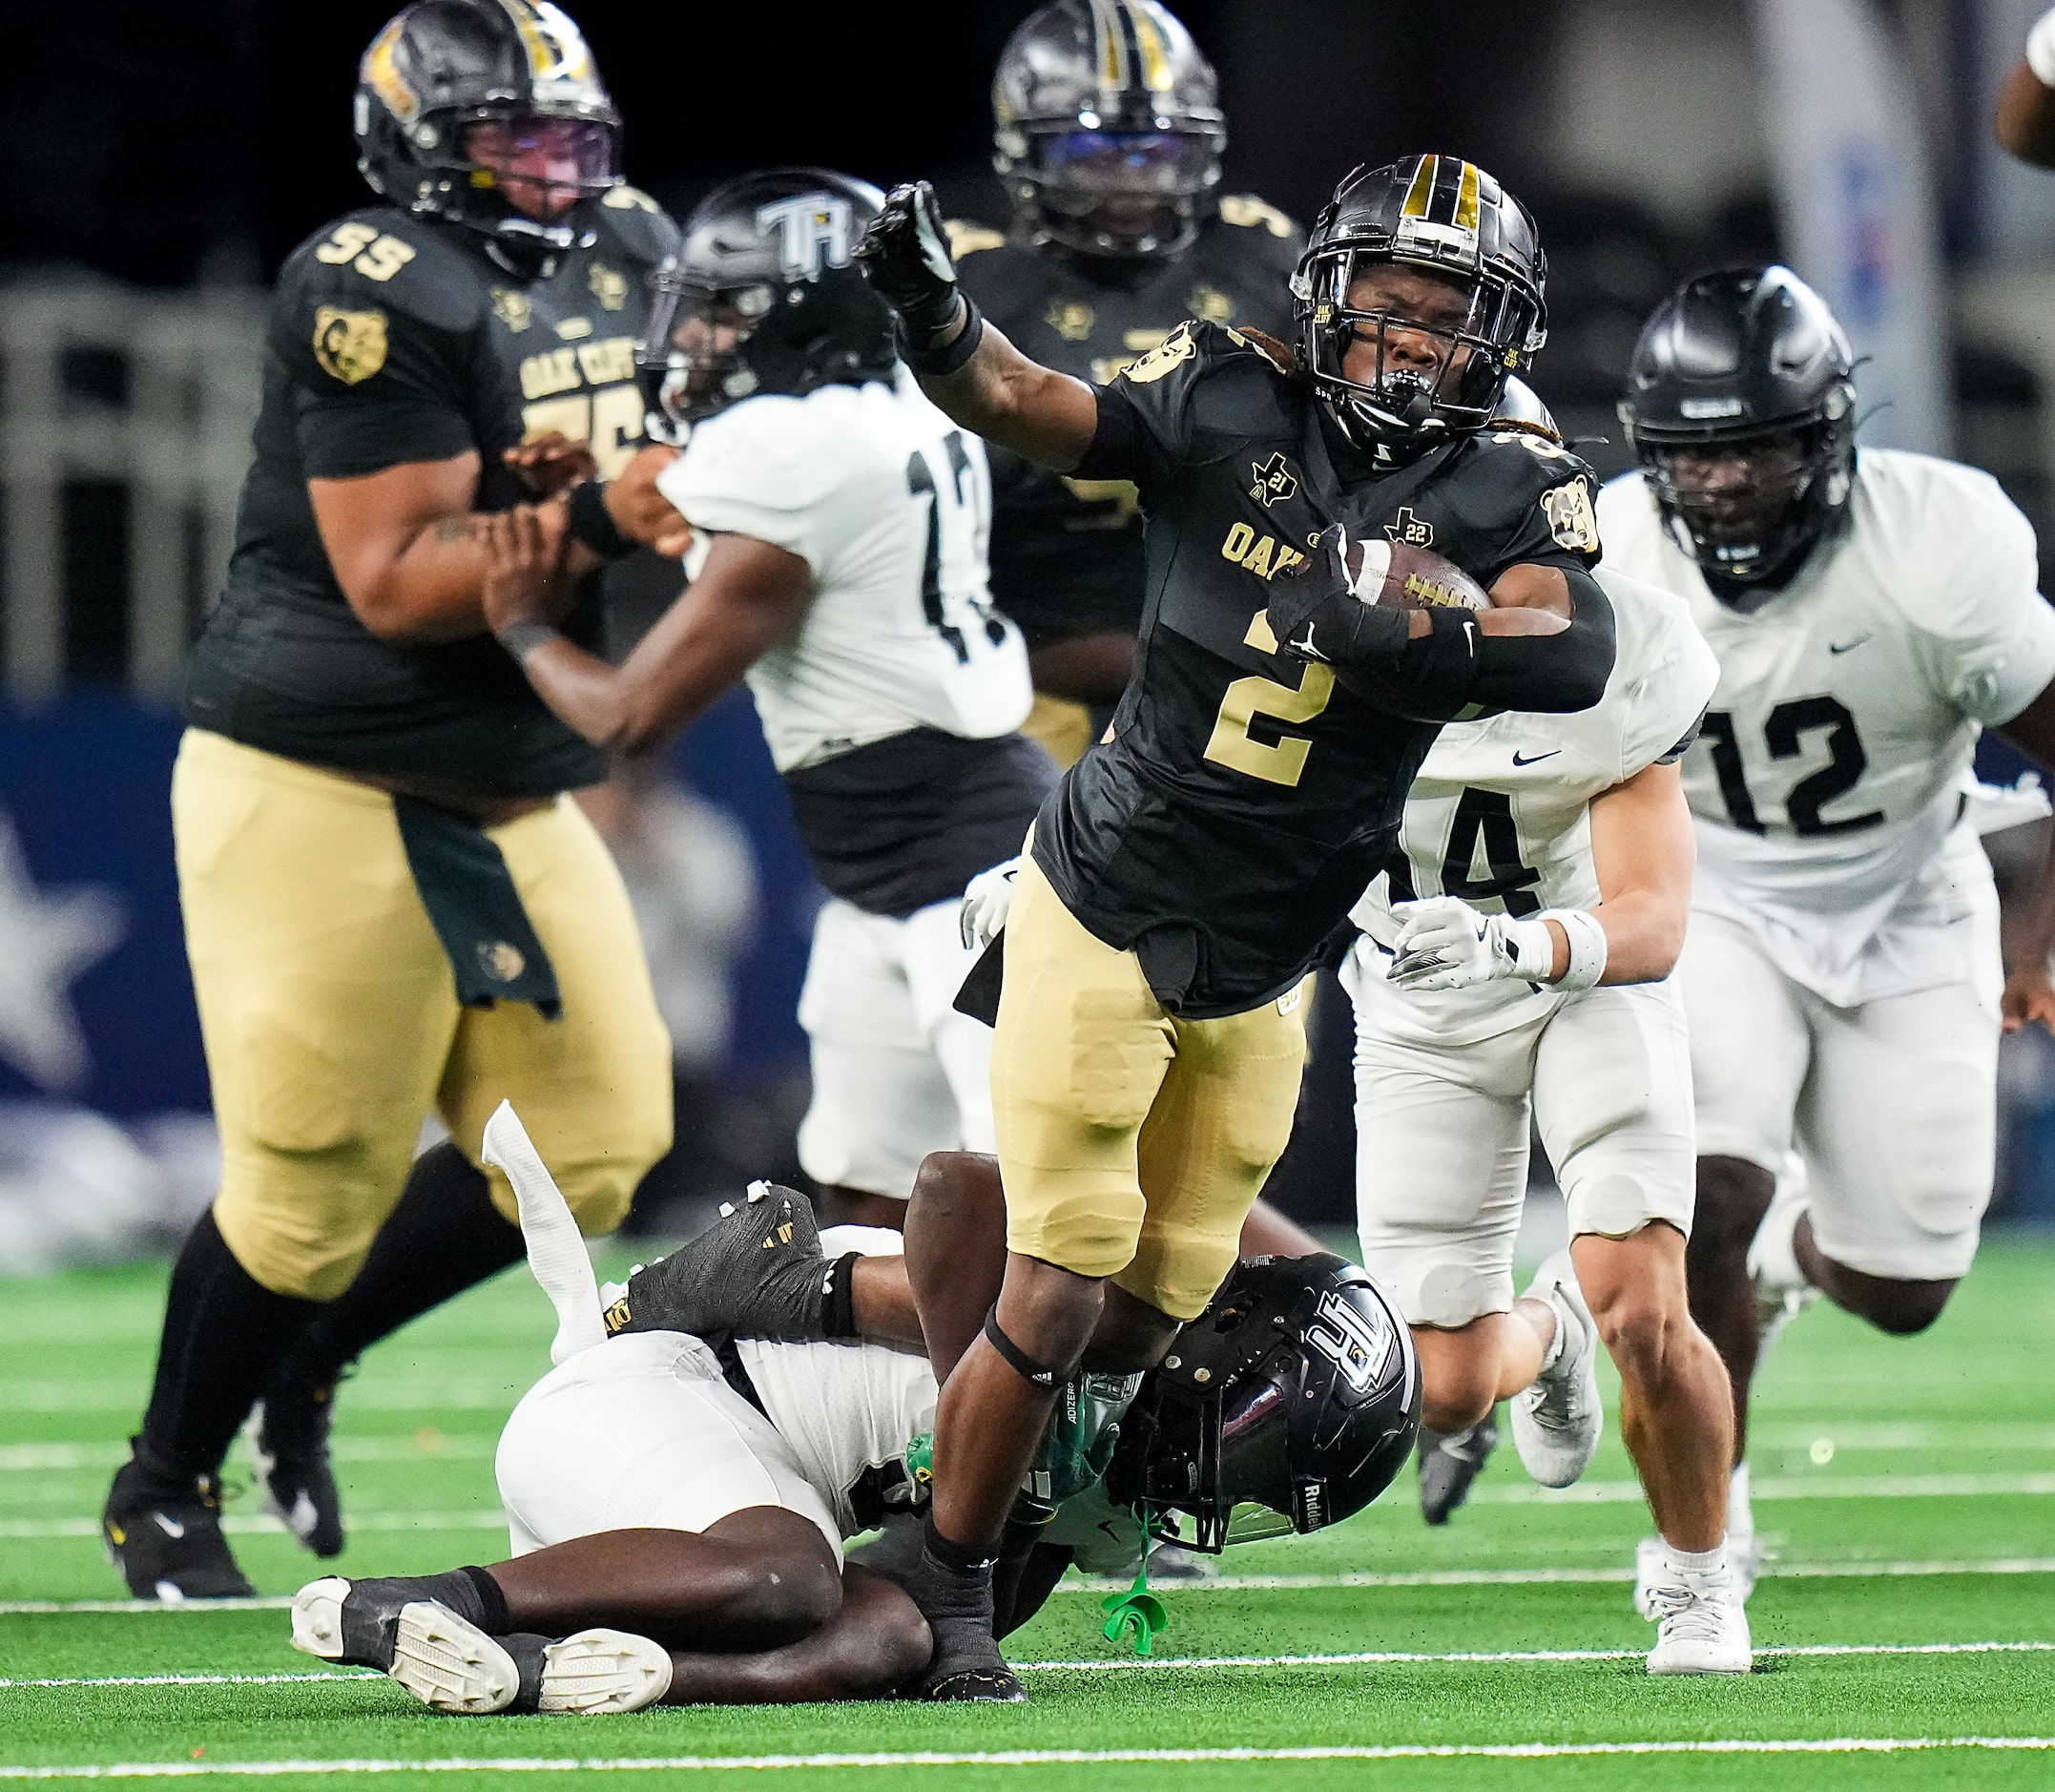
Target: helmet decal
point(380, 71)
point(556, 49)
point(815, 230)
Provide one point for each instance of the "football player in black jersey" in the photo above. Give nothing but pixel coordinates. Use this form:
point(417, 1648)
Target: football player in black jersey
point(1107, 137)
point(389, 904)
point(1183, 876)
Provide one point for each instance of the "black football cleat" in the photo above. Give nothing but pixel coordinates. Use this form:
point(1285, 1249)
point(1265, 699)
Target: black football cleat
point(1450, 1463)
point(163, 1532)
point(290, 1445)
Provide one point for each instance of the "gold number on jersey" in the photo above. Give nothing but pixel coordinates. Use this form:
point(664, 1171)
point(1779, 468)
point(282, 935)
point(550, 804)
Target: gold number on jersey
point(1284, 761)
point(373, 256)
point(609, 420)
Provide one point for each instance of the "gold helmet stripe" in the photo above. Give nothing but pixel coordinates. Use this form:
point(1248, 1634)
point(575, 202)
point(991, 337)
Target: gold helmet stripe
point(556, 49)
point(1155, 51)
point(1109, 46)
point(1467, 211)
point(1420, 196)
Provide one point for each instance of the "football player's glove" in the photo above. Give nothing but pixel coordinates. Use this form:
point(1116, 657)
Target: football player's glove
point(1444, 944)
point(757, 1272)
point(905, 255)
point(988, 901)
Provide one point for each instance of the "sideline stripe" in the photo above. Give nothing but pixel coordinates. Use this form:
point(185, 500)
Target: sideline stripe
point(1522, 1493)
point(1559, 1576)
point(1031, 1758)
point(1366, 1658)
point(243, 1524)
point(1234, 1583)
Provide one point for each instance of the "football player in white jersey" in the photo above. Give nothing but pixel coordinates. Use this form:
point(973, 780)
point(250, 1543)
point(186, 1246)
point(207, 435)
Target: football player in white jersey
point(677, 1496)
point(833, 526)
point(1514, 965)
point(1870, 613)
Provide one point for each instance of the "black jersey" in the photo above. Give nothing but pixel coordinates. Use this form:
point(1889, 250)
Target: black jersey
point(396, 339)
point(1067, 553)
point(1247, 799)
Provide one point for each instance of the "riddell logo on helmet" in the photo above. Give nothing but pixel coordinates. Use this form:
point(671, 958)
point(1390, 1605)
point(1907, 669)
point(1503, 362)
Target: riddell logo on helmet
point(1702, 410)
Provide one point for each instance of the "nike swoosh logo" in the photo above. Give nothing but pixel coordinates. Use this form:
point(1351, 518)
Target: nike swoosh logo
point(169, 1527)
point(1846, 647)
point(1538, 757)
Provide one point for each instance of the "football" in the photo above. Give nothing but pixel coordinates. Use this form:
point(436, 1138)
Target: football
point(1412, 578)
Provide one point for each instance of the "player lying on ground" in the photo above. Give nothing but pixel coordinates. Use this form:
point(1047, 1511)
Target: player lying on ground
point(1183, 876)
point(678, 1502)
point(1514, 969)
point(1870, 611)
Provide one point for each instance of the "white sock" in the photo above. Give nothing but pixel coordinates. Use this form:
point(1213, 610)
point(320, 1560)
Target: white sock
point(1712, 1561)
point(1553, 1351)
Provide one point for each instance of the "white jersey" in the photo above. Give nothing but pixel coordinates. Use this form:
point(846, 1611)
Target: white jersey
point(1828, 783)
point(850, 1411)
point(1499, 813)
point(891, 505)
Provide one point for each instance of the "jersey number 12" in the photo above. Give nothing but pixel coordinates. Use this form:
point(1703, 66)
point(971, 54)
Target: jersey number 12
point(1784, 734)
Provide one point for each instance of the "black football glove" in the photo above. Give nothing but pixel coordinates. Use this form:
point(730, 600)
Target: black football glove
point(905, 255)
point(1317, 614)
point(757, 1272)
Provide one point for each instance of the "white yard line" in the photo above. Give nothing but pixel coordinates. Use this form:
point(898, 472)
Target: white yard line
point(1241, 1583)
point(1031, 1758)
point(480, 1518)
point(403, 1447)
point(1360, 1657)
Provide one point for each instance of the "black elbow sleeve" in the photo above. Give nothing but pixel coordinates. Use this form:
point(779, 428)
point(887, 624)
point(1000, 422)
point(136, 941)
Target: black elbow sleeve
point(1551, 674)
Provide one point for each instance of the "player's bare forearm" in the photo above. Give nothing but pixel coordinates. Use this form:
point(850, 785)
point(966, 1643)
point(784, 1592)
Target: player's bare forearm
point(1018, 404)
point(2025, 120)
point(748, 594)
point(1643, 849)
point(408, 549)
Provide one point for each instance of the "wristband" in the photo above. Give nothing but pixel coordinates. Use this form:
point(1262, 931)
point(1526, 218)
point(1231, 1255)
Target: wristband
point(1586, 947)
point(2041, 49)
point(935, 362)
point(838, 1305)
point(591, 525)
point(520, 639)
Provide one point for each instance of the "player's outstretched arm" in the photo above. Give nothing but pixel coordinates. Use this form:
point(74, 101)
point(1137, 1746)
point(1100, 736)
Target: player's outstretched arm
point(2029, 994)
point(964, 365)
point(748, 594)
point(2025, 121)
point(407, 549)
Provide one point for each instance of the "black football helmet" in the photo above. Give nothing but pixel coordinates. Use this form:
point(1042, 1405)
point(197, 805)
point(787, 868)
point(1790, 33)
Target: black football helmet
point(1744, 377)
point(765, 296)
point(1450, 217)
point(1108, 127)
point(1289, 1404)
point(441, 68)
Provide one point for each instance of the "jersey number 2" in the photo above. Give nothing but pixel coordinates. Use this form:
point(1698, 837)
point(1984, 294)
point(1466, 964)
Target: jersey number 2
point(1233, 742)
point(1784, 734)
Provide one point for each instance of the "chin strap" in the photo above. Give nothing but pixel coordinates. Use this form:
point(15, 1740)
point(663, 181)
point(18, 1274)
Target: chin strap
point(1137, 1608)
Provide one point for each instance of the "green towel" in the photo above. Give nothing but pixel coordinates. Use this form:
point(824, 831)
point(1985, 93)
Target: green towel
point(470, 897)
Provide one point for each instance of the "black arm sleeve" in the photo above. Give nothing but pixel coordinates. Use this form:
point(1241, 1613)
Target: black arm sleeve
point(1550, 674)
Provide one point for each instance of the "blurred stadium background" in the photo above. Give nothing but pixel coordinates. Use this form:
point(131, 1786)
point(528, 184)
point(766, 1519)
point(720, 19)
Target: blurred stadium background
point(161, 162)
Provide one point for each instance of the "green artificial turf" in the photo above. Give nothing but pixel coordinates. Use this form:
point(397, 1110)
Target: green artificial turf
point(1907, 1487)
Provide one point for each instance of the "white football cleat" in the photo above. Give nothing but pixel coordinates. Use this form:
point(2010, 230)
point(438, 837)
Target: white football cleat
point(1558, 1417)
point(448, 1663)
point(1704, 1625)
point(598, 1673)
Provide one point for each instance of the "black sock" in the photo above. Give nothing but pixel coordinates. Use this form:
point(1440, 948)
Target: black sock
point(224, 1332)
point(493, 1616)
point(443, 1237)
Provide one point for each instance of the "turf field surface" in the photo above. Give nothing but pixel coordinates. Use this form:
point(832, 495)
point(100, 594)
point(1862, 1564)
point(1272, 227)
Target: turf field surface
point(1906, 1633)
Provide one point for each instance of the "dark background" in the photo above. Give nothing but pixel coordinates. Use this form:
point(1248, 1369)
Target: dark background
point(163, 143)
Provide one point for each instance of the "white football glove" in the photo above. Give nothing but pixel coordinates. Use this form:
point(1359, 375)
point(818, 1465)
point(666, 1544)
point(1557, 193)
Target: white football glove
point(987, 898)
point(1444, 944)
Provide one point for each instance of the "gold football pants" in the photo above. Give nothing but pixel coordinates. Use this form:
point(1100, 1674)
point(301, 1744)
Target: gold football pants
point(1131, 1143)
point(331, 1021)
